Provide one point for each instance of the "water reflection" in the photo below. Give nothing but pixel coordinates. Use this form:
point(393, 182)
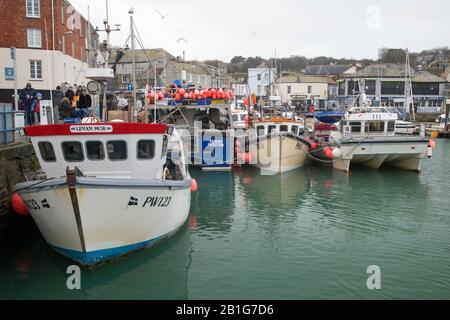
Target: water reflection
point(156, 273)
point(214, 203)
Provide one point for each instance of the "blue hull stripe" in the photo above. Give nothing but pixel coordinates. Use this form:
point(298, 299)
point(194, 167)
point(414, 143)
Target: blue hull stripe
point(100, 256)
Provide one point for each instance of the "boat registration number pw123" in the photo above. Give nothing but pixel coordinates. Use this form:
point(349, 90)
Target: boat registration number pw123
point(150, 202)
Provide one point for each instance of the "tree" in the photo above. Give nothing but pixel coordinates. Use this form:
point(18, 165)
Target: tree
point(387, 55)
point(237, 60)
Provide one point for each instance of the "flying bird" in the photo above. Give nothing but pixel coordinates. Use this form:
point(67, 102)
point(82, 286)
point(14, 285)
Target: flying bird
point(161, 15)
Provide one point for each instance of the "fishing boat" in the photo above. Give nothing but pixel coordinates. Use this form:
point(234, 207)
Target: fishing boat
point(204, 119)
point(367, 137)
point(278, 145)
point(107, 189)
point(405, 127)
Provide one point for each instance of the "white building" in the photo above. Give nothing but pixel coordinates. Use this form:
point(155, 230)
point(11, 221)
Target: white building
point(260, 79)
point(306, 90)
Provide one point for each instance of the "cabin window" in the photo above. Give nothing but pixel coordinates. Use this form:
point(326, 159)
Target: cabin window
point(164, 148)
point(73, 151)
point(284, 129)
point(47, 151)
point(95, 150)
point(391, 126)
point(295, 130)
point(376, 126)
point(260, 130)
point(272, 128)
point(117, 150)
point(146, 150)
point(235, 118)
point(356, 127)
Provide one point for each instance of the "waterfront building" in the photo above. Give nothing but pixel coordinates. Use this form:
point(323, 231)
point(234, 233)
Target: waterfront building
point(260, 79)
point(51, 38)
point(385, 84)
point(304, 90)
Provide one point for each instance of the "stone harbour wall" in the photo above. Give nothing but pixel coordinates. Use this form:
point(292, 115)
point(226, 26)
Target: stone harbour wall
point(15, 161)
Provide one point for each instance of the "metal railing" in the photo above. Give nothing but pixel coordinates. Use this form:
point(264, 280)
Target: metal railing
point(6, 123)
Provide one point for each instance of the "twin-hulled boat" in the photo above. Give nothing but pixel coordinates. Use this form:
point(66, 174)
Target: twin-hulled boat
point(367, 136)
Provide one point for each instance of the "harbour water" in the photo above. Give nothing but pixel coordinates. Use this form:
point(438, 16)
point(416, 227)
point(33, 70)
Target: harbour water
point(309, 234)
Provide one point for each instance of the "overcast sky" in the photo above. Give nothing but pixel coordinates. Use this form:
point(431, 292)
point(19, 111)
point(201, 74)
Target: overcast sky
point(224, 29)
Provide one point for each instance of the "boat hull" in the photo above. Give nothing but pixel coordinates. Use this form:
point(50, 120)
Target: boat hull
point(404, 154)
point(279, 153)
point(98, 221)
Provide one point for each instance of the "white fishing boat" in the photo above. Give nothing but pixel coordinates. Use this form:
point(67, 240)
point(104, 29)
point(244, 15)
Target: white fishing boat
point(405, 127)
point(107, 189)
point(277, 145)
point(368, 137)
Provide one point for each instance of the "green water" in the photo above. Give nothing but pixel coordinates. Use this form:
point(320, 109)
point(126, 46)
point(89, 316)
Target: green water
point(310, 234)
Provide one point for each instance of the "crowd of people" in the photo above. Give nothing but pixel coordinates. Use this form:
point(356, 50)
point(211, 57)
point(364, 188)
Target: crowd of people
point(66, 105)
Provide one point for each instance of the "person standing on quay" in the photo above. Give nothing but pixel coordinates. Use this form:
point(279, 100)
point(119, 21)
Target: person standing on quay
point(70, 94)
point(28, 95)
point(58, 97)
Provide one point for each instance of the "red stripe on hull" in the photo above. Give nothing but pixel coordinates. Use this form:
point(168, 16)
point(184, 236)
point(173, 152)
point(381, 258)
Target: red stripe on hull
point(95, 129)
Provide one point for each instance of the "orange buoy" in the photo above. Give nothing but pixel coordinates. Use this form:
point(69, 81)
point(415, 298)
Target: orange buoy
point(19, 206)
point(314, 145)
point(328, 152)
point(246, 157)
point(432, 144)
point(194, 185)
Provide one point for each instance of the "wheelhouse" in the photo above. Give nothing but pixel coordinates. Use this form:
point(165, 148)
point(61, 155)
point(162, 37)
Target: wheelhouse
point(369, 122)
point(112, 150)
point(264, 128)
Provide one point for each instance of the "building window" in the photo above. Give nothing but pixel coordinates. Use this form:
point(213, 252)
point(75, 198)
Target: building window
point(353, 88)
point(258, 89)
point(34, 38)
point(125, 79)
point(146, 150)
point(371, 86)
point(33, 9)
point(259, 77)
point(425, 89)
point(289, 89)
point(392, 88)
point(309, 89)
point(35, 70)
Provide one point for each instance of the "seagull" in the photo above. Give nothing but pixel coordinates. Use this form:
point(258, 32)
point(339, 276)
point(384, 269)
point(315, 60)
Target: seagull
point(162, 16)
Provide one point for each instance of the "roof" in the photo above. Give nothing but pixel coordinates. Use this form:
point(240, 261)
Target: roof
point(305, 79)
point(141, 55)
point(391, 70)
point(327, 70)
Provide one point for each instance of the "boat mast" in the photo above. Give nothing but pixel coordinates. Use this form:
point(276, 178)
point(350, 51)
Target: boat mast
point(133, 59)
point(409, 97)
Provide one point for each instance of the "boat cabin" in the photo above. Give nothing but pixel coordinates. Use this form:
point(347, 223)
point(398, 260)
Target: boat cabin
point(264, 128)
point(369, 121)
point(108, 150)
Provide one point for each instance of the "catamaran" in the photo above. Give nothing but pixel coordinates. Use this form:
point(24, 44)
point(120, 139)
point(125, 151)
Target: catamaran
point(367, 137)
